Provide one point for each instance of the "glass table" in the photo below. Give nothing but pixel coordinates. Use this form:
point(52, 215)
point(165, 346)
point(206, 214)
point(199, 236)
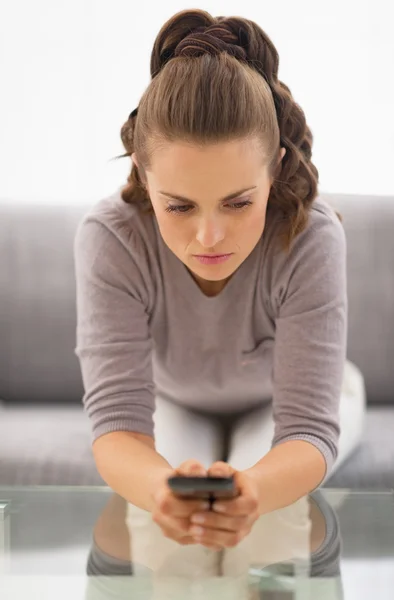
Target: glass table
point(88, 543)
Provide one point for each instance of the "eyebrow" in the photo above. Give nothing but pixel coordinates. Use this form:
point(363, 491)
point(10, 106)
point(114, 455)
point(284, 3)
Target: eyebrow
point(229, 197)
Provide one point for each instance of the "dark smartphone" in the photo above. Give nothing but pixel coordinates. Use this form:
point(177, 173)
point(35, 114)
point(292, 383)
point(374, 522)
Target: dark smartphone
point(208, 488)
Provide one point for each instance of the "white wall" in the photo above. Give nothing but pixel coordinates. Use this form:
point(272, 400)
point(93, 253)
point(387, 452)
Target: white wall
point(70, 73)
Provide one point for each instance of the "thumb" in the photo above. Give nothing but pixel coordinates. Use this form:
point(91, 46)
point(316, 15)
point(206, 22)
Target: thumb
point(191, 468)
point(221, 469)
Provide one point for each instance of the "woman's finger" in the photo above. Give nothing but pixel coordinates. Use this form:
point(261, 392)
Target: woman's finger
point(220, 469)
point(177, 507)
point(238, 507)
point(173, 523)
point(191, 468)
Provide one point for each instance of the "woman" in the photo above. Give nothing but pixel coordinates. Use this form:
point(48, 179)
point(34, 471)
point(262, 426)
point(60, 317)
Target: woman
point(211, 292)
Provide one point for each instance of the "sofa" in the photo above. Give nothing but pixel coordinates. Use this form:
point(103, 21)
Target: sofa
point(44, 433)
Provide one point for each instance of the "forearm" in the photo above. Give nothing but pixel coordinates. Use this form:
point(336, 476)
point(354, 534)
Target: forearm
point(130, 465)
point(287, 473)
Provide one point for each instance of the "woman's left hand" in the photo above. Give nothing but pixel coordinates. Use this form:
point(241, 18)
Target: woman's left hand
point(230, 519)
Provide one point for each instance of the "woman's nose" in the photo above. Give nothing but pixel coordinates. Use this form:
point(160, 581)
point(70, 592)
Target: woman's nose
point(210, 233)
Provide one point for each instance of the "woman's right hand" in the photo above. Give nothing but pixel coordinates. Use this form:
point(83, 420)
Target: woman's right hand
point(172, 513)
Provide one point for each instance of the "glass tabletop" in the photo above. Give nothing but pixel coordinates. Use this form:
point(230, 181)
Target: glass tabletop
point(89, 543)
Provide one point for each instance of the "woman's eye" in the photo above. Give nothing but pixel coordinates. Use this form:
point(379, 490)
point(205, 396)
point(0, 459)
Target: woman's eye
point(241, 205)
point(183, 209)
point(177, 209)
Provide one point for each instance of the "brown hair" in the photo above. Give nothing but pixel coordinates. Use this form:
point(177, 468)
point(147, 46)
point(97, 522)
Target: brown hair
point(216, 80)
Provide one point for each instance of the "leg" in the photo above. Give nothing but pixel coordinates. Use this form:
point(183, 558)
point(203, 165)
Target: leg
point(277, 536)
point(180, 435)
point(250, 438)
point(253, 433)
point(352, 412)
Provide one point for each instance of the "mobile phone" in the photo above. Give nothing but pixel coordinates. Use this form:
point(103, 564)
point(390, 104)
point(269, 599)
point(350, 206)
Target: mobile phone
point(208, 488)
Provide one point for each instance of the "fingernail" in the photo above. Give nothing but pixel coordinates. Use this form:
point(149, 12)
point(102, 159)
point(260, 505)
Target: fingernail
point(198, 518)
point(197, 531)
point(197, 468)
point(219, 508)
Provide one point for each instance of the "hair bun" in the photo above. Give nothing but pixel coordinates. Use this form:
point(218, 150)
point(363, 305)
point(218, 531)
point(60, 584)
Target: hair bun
point(210, 40)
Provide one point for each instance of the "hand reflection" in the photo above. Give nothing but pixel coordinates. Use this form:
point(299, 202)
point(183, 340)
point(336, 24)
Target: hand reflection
point(295, 544)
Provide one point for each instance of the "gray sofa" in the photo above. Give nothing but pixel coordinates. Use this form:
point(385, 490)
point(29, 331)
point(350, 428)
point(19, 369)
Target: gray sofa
point(44, 433)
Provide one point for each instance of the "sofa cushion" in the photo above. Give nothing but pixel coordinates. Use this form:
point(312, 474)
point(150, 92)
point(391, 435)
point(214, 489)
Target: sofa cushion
point(369, 222)
point(46, 445)
point(371, 466)
point(38, 306)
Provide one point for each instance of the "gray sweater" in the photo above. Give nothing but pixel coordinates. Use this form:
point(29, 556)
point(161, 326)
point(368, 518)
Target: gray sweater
point(276, 333)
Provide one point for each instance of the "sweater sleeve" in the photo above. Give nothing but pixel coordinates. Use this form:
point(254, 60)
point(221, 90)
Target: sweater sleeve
point(311, 338)
point(113, 344)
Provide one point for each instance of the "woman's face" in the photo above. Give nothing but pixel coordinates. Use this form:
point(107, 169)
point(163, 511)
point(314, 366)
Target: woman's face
point(210, 201)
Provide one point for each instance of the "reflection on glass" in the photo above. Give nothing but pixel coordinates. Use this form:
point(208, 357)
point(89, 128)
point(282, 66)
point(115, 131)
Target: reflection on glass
point(292, 553)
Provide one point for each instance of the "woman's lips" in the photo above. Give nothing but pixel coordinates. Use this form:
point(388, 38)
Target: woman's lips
point(213, 259)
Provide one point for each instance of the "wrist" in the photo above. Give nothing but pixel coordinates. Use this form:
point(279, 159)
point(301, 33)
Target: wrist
point(158, 481)
point(257, 478)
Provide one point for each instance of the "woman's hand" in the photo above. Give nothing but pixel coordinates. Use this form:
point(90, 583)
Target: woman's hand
point(230, 520)
point(173, 514)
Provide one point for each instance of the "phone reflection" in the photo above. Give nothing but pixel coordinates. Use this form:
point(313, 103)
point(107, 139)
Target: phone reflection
point(291, 553)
